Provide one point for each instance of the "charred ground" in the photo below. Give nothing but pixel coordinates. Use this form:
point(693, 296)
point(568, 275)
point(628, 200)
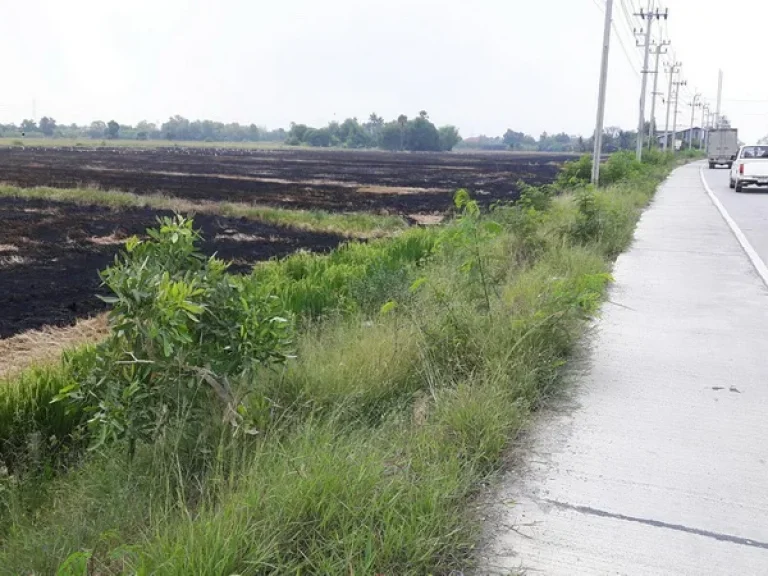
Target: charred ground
point(335, 180)
point(51, 252)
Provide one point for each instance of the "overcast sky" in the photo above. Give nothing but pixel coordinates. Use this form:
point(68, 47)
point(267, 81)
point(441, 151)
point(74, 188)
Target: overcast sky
point(484, 65)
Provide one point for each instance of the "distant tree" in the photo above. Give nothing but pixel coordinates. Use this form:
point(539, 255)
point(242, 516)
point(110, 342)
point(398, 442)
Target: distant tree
point(483, 142)
point(391, 136)
point(97, 129)
point(423, 114)
point(47, 125)
point(448, 137)
point(253, 133)
point(318, 137)
point(421, 135)
point(373, 126)
point(177, 128)
point(518, 140)
point(113, 130)
point(147, 128)
point(352, 135)
point(402, 120)
point(28, 126)
point(296, 134)
point(627, 139)
point(375, 120)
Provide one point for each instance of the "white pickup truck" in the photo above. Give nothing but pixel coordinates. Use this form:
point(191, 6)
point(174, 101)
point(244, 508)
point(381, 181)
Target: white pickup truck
point(750, 167)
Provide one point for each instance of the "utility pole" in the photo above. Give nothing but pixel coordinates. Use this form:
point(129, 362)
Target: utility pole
point(649, 16)
point(674, 68)
point(694, 104)
point(601, 94)
point(704, 125)
point(677, 101)
point(658, 51)
point(719, 98)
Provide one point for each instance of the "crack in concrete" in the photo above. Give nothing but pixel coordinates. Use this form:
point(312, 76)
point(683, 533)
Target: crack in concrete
point(660, 524)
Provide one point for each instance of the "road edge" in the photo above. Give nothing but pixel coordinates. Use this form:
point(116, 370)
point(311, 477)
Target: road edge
point(751, 253)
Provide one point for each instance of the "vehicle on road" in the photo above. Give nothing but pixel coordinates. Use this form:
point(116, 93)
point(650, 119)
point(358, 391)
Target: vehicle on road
point(750, 167)
point(722, 146)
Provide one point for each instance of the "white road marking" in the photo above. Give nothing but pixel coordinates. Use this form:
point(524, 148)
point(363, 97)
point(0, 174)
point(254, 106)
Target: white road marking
point(751, 253)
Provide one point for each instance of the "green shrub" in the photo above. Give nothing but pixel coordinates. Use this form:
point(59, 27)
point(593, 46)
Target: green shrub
point(576, 173)
point(185, 336)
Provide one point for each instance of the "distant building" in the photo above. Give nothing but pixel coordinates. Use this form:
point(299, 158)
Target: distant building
point(682, 136)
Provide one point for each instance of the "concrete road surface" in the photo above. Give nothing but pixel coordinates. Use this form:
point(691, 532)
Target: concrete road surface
point(656, 462)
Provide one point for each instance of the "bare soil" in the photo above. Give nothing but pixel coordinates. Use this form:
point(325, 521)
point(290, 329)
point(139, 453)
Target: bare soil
point(334, 180)
point(51, 252)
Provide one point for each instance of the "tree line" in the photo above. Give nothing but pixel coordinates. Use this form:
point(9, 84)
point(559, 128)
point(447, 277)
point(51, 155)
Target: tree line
point(176, 128)
point(416, 134)
point(614, 139)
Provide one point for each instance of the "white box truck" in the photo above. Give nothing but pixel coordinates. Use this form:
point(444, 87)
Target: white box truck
point(722, 146)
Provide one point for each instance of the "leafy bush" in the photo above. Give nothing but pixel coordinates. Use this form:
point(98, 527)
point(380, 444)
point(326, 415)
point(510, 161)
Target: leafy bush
point(576, 173)
point(620, 166)
point(185, 336)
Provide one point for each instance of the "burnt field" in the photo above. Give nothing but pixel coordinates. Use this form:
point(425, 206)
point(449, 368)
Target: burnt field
point(333, 180)
point(51, 252)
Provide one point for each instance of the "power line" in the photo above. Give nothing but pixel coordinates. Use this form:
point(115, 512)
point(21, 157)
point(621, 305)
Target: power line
point(626, 52)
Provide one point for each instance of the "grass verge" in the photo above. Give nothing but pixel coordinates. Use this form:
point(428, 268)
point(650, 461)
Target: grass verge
point(370, 442)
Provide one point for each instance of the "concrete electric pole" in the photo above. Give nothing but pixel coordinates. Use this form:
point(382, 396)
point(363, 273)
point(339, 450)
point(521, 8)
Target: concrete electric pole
point(601, 94)
point(658, 51)
point(649, 16)
point(694, 104)
point(674, 68)
point(674, 121)
point(719, 98)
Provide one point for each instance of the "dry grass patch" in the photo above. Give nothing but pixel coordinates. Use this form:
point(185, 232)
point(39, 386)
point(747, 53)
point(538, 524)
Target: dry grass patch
point(36, 347)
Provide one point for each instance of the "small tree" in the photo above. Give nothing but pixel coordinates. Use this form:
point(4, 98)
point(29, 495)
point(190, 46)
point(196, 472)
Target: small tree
point(97, 129)
point(47, 125)
point(448, 137)
point(422, 135)
point(113, 130)
point(28, 126)
point(186, 340)
point(391, 137)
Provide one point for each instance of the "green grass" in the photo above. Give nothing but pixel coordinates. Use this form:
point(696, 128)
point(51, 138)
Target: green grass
point(374, 440)
point(355, 224)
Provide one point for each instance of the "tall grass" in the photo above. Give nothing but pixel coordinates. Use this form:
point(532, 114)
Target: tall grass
point(373, 440)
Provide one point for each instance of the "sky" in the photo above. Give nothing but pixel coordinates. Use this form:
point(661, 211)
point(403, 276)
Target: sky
point(484, 65)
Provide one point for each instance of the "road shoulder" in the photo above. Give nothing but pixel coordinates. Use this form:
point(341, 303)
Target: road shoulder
point(649, 464)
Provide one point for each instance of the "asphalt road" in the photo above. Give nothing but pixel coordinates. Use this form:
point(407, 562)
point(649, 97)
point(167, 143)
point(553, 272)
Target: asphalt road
point(749, 209)
point(655, 463)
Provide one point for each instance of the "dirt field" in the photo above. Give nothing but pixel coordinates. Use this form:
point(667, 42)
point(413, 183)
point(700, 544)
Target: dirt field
point(51, 252)
point(335, 180)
